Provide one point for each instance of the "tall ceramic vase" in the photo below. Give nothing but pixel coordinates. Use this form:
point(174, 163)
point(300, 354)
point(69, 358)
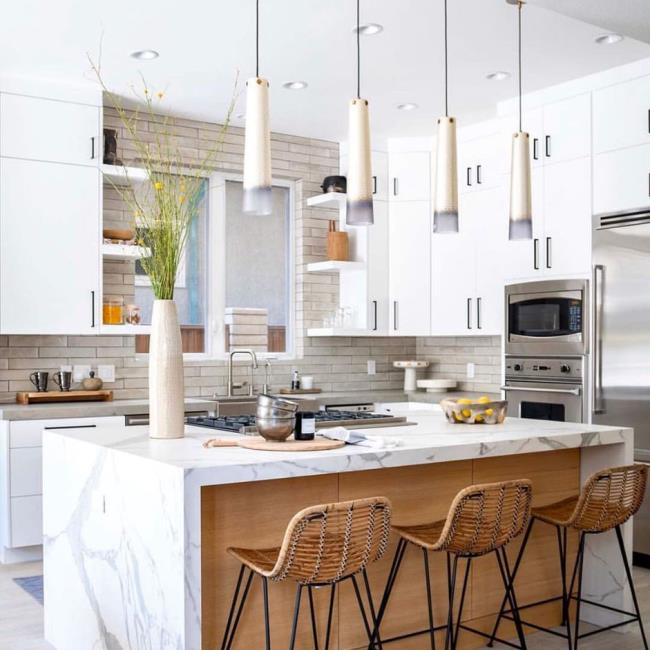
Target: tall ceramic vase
point(166, 395)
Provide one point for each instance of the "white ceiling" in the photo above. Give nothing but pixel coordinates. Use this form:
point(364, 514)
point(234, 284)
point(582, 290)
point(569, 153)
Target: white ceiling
point(203, 44)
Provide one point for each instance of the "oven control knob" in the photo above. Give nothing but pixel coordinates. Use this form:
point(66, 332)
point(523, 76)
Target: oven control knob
point(565, 368)
point(517, 367)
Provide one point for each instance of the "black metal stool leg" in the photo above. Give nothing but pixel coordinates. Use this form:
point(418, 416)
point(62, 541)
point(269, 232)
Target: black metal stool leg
point(329, 616)
point(267, 622)
point(314, 629)
point(462, 603)
point(628, 573)
point(362, 609)
point(227, 644)
point(515, 570)
point(578, 571)
point(427, 579)
point(232, 607)
point(451, 590)
point(562, 551)
point(508, 583)
point(373, 614)
point(296, 613)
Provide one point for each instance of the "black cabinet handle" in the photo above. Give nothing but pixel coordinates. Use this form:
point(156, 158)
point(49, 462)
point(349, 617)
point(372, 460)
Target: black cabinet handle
point(395, 315)
point(374, 185)
point(478, 313)
point(374, 305)
point(92, 148)
point(536, 254)
point(72, 426)
point(649, 120)
point(549, 252)
point(535, 148)
point(469, 313)
point(479, 174)
point(92, 307)
point(469, 176)
point(395, 186)
point(547, 146)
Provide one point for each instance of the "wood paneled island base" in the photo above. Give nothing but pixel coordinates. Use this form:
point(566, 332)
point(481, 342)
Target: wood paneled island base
point(256, 514)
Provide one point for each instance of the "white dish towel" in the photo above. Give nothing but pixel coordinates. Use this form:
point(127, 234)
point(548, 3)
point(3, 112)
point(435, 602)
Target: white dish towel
point(359, 438)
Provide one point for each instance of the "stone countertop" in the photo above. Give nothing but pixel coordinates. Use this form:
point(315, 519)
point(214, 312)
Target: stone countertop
point(430, 439)
point(14, 412)
point(340, 399)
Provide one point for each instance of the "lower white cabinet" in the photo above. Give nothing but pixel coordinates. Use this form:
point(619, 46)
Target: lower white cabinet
point(21, 500)
point(410, 227)
point(49, 248)
point(622, 179)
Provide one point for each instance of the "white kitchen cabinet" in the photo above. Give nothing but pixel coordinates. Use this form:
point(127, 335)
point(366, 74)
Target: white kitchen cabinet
point(467, 268)
point(26, 517)
point(380, 176)
point(378, 271)
point(410, 175)
point(410, 227)
point(49, 248)
point(482, 162)
point(567, 129)
point(49, 130)
point(622, 115)
point(622, 179)
point(26, 477)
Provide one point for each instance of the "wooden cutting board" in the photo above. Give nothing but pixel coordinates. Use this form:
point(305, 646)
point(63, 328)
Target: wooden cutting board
point(259, 444)
point(300, 391)
point(54, 396)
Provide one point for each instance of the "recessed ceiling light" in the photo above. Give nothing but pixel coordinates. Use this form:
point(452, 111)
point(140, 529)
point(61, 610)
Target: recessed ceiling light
point(608, 39)
point(408, 106)
point(145, 55)
point(295, 85)
point(369, 29)
point(499, 75)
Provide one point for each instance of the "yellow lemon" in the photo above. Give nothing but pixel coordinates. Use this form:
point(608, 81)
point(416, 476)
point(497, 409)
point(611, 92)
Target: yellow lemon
point(489, 412)
point(466, 413)
point(464, 400)
point(484, 399)
point(479, 419)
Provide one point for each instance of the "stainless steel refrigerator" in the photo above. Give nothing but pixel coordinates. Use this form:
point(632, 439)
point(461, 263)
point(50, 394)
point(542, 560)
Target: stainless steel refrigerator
point(621, 343)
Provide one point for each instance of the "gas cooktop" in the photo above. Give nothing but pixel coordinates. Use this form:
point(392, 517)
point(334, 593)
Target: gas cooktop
point(246, 423)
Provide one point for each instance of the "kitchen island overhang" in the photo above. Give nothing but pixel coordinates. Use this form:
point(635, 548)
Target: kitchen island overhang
point(124, 515)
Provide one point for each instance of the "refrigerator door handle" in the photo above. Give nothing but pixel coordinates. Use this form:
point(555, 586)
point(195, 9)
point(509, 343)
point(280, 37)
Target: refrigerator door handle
point(598, 405)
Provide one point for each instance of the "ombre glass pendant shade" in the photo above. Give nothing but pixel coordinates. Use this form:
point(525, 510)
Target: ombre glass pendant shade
point(445, 189)
point(257, 149)
point(521, 213)
point(359, 200)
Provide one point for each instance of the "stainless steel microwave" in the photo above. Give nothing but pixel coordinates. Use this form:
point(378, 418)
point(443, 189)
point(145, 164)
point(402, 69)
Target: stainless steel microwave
point(549, 317)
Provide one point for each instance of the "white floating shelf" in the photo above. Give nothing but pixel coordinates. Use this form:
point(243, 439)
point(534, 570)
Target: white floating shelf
point(119, 175)
point(125, 330)
point(124, 252)
point(332, 266)
point(336, 331)
point(328, 200)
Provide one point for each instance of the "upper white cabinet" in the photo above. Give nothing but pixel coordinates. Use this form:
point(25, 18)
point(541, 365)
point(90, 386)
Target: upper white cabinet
point(622, 179)
point(622, 115)
point(410, 227)
point(49, 248)
point(567, 129)
point(49, 130)
point(482, 161)
point(378, 271)
point(410, 176)
point(380, 176)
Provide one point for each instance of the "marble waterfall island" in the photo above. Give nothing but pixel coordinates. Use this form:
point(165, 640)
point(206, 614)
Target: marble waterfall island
point(136, 529)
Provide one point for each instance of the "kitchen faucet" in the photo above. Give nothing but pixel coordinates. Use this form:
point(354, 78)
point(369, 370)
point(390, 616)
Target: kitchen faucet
point(253, 357)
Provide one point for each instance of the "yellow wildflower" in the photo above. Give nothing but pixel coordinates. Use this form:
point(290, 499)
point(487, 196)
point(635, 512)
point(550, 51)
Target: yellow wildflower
point(158, 185)
point(161, 95)
point(181, 198)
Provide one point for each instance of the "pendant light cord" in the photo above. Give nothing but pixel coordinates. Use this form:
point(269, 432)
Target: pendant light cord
point(520, 5)
point(446, 67)
point(358, 54)
point(257, 38)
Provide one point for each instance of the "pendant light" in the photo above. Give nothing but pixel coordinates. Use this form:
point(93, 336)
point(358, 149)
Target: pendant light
point(521, 216)
point(359, 187)
point(257, 138)
point(445, 183)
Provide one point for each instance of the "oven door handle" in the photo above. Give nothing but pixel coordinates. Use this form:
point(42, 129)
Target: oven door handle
point(563, 391)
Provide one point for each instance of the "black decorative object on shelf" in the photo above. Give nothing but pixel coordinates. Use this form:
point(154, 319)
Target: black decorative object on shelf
point(110, 148)
point(334, 184)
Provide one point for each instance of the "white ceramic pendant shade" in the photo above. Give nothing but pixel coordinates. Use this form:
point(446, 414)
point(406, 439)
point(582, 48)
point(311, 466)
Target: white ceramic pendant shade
point(521, 214)
point(359, 188)
point(445, 190)
point(257, 149)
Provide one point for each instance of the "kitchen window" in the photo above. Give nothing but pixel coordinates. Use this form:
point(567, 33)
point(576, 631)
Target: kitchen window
point(235, 285)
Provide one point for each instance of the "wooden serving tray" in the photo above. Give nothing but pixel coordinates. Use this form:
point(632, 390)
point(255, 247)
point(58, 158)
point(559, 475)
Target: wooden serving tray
point(60, 396)
point(259, 444)
point(300, 391)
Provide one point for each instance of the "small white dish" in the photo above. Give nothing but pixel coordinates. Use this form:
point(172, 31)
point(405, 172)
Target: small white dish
point(437, 385)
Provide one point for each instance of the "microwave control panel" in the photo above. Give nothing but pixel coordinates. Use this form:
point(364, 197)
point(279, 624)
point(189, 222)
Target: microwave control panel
point(569, 369)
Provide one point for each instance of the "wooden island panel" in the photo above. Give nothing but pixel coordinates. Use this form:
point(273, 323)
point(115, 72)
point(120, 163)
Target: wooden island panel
point(256, 514)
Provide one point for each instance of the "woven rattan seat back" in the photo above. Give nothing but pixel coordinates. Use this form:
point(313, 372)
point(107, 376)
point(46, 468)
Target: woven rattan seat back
point(326, 543)
point(485, 517)
point(609, 498)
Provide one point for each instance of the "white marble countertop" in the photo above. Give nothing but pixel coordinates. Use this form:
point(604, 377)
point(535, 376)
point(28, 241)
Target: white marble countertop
point(431, 439)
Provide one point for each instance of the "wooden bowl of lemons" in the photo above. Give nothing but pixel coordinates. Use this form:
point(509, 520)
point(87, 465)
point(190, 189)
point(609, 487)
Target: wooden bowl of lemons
point(480, 411)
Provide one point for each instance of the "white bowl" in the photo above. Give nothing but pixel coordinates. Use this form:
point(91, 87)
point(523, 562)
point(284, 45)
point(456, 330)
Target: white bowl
point(437, 385)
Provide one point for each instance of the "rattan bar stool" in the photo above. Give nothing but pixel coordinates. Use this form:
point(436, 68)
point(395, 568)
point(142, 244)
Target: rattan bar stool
point(323, 545)
point(482, 519)
point(609, 498)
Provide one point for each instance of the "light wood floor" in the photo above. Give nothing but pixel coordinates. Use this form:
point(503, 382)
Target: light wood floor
point(21, 618)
